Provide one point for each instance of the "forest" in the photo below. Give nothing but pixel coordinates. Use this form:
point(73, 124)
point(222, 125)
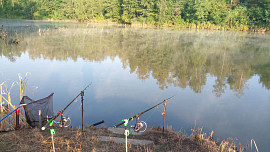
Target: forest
point(244, 15)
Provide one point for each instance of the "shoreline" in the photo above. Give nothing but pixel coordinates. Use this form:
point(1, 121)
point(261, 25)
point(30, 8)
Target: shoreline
point(171, 27)
point(73, 139)
point(210, 27)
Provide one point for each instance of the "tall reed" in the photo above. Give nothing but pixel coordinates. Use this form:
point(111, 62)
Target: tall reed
point(6, 106)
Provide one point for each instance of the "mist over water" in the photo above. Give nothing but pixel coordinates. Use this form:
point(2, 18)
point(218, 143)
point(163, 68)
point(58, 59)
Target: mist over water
point(221, 79)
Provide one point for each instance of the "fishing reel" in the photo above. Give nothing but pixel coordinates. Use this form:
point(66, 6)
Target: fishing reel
point(140, 126)
point(63, 122)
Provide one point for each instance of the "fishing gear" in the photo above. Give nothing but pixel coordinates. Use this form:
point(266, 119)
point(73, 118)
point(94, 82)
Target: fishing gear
point(98, 123)
point(37, 111)
point(82, 94)
point(165, 104)
point(64, 122)
point(52, 133)
point(12, 111)
point(140, 126)
point(17, 126)
point(60, 113)
point(125, 121)
point(141, 123)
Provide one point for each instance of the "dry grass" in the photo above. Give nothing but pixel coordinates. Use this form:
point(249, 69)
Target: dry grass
point(69, 139)
point(173, 141)
point(6, 106)
point(228, 145)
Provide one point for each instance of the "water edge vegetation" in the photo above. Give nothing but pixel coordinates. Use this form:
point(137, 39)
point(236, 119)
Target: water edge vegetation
point(242, 15)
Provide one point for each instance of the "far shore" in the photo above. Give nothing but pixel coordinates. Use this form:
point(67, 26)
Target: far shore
point(150, 26)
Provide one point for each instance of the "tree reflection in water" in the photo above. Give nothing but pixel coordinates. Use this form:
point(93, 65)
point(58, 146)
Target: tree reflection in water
point(181, 58)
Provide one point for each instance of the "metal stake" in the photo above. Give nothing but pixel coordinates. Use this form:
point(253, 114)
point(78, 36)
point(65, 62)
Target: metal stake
point(82, 94)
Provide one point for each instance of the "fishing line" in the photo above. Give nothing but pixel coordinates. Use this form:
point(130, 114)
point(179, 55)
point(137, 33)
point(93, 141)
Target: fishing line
point(2, 73)
point(145, 120)
point(153, 111)
point(68, 110)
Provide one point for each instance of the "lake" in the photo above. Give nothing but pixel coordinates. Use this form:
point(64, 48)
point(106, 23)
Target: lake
point(220, 80)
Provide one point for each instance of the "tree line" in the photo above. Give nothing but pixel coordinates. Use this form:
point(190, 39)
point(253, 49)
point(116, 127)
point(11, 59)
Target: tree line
point(210, 14)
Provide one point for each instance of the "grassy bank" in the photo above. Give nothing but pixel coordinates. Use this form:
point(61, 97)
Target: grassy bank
point(69, 139)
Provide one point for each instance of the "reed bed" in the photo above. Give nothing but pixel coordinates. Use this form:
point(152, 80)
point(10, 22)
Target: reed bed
point(6, 106)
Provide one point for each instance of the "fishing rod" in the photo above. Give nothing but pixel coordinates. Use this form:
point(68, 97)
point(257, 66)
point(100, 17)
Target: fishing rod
point(139, 114)
point(12, 111)
point(62, 111)
point(98, 123)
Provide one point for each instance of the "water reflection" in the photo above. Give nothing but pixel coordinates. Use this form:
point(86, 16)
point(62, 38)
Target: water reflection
point(179, 58)
point(133, 69)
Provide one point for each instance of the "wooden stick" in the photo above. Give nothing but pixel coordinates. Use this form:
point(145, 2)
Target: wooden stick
point(53, 143)
point(39, 119)
point(165, 104)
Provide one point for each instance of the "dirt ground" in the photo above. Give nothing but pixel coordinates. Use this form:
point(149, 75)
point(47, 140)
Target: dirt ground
point(70, 139)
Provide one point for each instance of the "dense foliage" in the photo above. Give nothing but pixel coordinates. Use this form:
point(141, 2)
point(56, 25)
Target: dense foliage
point(214, 14)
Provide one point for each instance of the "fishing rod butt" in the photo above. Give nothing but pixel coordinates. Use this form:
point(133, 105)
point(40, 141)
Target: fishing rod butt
point(116, 126)
point(98, 123)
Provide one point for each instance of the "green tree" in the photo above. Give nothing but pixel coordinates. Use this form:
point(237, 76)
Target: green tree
point(68, 9)
point(30, 8)
point(112, 10)
point(169, 12)
point(236, 18)
point(129, 8)
point(189, 12)
point(146, 11)
point(259, 16)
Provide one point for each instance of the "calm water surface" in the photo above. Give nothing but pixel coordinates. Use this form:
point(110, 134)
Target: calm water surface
point(221, 79)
